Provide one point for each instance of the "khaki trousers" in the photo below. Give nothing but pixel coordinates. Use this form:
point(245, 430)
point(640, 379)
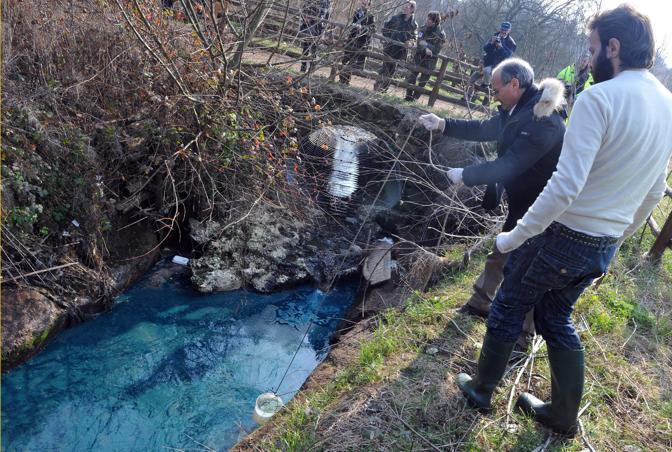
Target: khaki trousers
point(488, 282)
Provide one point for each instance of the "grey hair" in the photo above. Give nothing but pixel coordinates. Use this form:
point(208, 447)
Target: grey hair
point(516, 68)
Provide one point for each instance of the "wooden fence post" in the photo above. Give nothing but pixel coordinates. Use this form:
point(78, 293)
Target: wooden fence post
point(662, 241)
point(438, 82)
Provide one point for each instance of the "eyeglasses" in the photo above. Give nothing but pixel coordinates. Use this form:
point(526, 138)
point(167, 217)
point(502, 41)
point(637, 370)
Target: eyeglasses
point(496, 91)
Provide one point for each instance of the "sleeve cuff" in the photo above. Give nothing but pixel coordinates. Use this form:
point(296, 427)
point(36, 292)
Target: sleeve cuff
point(509, 241)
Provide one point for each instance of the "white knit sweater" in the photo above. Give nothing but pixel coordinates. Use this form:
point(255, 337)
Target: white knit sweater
point(612, 168)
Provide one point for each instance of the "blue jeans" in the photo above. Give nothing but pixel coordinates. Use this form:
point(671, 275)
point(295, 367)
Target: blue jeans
point(549, 272)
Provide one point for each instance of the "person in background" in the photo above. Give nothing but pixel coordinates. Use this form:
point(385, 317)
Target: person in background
point(500, 47)
point(363, 27)
point(528, 131)
point(610, 176)
point(314, 14)
point(400, 32)
point(576, 78)
point(430, 40)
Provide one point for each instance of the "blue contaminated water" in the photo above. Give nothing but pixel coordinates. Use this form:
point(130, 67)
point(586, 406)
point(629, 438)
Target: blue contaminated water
point(167, 369)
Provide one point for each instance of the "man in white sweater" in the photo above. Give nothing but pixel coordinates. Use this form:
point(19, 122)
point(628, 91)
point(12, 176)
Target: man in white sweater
point(610, 175)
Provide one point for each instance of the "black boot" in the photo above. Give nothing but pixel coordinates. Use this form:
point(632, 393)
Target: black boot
point(561, 414)
point(491, 366)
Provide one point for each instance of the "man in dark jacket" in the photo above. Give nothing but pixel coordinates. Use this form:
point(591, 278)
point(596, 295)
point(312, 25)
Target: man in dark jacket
point(400, 32)
point(529, 132)
point(500, 47)
point(314, 14)
point(430, 41)
point(363, 27)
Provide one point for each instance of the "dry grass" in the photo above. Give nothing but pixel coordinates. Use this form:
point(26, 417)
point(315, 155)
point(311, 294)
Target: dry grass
point(399, 393)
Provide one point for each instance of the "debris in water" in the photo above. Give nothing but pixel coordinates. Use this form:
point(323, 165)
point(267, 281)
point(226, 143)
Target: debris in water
point(180, 260)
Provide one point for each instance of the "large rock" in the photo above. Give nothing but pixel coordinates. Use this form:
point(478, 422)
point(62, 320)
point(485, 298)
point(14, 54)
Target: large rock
point(271, 250)
point(29, 317)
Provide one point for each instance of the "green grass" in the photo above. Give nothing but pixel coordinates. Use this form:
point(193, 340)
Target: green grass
point(273, 43)
point(397, 392)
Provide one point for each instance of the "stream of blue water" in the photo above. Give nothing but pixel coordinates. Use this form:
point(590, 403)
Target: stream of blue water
point(167, 368)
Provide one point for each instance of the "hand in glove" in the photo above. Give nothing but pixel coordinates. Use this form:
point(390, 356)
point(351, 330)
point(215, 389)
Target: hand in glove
point(432, 122)
point(455, 176)
point(428, 52)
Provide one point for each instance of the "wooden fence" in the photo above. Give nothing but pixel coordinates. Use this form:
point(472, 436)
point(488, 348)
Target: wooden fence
point(449, 82)
point(663, 235)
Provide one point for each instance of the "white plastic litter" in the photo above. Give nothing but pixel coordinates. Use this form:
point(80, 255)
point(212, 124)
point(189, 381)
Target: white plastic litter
point(180, 260)
point(75, 223)
point(266, 406)
point(377, 265)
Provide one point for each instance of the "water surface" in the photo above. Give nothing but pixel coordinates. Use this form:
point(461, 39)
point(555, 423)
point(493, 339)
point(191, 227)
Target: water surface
point(167, 368)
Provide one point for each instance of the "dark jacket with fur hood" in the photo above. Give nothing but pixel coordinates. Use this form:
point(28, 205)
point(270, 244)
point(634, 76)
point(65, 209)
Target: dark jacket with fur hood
point(528, 146)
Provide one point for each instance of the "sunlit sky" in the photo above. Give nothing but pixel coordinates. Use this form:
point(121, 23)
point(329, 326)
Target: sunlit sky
point(660, 12)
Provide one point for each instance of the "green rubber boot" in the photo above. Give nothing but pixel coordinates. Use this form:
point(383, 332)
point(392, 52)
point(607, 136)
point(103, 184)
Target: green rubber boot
point(561, 414)
point(491, 366)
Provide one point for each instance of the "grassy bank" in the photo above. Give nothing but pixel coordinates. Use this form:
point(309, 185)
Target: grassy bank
point(396, 390)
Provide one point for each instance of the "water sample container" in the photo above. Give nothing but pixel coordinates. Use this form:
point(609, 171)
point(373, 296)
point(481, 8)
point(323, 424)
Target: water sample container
point(180, 260)
point(266, 406)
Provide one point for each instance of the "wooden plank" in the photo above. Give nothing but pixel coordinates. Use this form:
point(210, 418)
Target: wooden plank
point(295, 21)
point(437, 84)
point(662, 241)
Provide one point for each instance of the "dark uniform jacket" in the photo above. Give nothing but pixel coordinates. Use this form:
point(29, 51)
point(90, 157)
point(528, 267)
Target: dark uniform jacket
point(314, 13)
point(360, 37)
point(432, 39)
point(528, 146)
point(399, 29)
point(494, 56)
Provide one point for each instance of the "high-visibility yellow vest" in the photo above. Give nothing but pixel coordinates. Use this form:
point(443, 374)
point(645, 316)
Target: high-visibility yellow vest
point(568, 75)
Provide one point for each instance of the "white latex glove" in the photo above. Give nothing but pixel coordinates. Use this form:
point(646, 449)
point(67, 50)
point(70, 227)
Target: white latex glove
point(503, 242)
point(428, 52)
point(455, 176)
point(432, 122)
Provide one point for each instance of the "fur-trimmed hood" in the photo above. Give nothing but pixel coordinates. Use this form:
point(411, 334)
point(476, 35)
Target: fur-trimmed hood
point(552, 97)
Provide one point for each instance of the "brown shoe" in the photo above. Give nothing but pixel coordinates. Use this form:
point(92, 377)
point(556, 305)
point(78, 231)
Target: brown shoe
point(471, 310)
point(523, 342)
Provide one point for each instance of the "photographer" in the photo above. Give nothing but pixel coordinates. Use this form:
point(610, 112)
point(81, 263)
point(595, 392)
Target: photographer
point(500, 47)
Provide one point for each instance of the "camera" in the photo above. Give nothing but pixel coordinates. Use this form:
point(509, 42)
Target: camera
point(498, 39)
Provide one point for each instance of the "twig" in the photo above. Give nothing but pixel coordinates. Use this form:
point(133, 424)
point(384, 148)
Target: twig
point(629, 337)
point(536, 345)
point(400, 419)
point(69, 264)
point(463, 333)
point(584, 438)
point(585, 407)
point(544, 446)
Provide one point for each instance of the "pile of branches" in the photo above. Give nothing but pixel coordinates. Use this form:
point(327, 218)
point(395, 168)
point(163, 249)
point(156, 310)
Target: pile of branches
point(121, 109)
point(124, 110)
